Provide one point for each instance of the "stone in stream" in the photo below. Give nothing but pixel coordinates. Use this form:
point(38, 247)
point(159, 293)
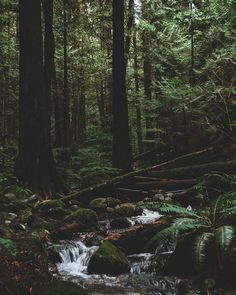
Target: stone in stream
point(108, 259)
point(119, 223)
point(127, 210)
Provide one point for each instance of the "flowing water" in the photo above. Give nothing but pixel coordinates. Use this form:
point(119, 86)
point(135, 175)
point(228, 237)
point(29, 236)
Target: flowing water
point(75, 257)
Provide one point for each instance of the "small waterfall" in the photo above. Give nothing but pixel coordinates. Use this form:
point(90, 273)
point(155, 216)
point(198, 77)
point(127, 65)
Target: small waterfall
point(75, 259)
point(140, 262)
point(147, 216)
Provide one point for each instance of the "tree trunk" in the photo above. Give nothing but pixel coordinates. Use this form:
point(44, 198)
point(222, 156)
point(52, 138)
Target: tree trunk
point(137, 101)
point(121, 154)
point(66, 101)
point(147, 72)
point(35, 164)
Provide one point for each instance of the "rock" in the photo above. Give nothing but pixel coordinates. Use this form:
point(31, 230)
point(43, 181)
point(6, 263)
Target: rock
point(46, 205)
point(99, 205)
point(65, 232)
point(120, 223)
point(112, 202)
point(158, 198)
point(127, 210)
point(57, 212)
point(54, 256)
point(59, 288)
point(87, 219)
point(108, 259)
point(110, 210)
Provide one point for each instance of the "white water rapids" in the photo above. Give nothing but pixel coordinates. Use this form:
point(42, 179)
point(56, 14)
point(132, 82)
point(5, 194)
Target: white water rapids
point(75, 256)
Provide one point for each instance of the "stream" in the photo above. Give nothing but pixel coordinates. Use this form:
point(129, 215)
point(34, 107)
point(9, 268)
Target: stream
point(75, 256)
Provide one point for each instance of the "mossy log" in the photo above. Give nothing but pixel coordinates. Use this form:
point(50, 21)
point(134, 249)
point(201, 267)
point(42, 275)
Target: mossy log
point(85, 195)
point(196, 170)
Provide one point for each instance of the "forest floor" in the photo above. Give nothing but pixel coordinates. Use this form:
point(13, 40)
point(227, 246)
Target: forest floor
point(30, 226)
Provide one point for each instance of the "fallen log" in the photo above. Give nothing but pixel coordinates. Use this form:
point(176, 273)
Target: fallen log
point(85, 195)
point(145, 178)
point(167, 184)
point(196, 170)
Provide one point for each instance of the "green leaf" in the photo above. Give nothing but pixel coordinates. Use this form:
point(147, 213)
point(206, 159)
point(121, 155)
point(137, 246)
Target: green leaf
point(224, 236)
point(200, 247)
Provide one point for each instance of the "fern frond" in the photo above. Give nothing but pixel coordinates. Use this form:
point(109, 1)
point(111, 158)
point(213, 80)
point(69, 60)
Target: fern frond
point(224, 236)
point(174, 209)
point(200, 246)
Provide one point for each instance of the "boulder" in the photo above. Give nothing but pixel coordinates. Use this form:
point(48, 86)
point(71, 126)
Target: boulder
point(119, 223)
point(127, 210)
point(87, 219)
point(47, 205)
point(108, 259)
point(65, 232)
point(98, 205)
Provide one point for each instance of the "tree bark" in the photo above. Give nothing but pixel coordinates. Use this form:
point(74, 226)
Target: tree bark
point(35, 164)
point(121, 154)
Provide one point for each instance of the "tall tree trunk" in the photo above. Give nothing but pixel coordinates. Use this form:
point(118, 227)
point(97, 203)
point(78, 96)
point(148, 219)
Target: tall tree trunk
point(66, 100)
point(121, 156)
point(147, 71)
point(106, 46)
point(82, 103)
point(137, 102)
point(35, 164)
point(130, 24)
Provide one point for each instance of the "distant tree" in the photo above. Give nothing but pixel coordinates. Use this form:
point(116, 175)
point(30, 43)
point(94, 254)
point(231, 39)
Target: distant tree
point(121, 156)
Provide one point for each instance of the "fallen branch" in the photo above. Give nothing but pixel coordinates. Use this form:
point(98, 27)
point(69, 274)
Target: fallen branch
point(85, 195)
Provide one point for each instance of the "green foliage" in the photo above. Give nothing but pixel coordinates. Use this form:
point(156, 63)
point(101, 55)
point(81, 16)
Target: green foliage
point(213, 226)
point(7, 246)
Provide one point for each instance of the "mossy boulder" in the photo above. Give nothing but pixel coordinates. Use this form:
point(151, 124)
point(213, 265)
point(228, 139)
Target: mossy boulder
point(48, 205)
point(108, 259)
point(59, 288)
point(98, 204)
point(87, 219)
point(127, 210)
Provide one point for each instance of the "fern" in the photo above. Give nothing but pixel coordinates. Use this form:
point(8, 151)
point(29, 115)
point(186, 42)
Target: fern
point(200, 247)
point(224, 236)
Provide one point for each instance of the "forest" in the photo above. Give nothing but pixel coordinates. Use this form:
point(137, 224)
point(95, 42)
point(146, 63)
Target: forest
point(118, 147)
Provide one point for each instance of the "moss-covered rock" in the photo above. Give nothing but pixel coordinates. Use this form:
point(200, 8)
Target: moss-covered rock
point(127, 210)
point(98, 204)
point(87, 219)
point(59, 288)
point(47, 205)
point(108, 259)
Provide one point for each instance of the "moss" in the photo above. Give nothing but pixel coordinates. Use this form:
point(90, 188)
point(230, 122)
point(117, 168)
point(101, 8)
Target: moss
point(195, 170)
point(46, 205)
point(127, 210)
point(98, 204)
point(108, 259)
point(86, 218)
point(59, 288)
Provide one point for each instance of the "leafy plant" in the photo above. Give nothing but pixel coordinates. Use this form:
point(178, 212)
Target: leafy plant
point(213, 227)
point(7, 246)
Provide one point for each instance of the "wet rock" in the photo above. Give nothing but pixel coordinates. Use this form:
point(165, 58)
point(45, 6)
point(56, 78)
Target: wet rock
point(54, 256)
point(127, 210)
point(120, 223)
point(59, 288)
point(87, 219)
point(65, 232)
point(108, 259)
